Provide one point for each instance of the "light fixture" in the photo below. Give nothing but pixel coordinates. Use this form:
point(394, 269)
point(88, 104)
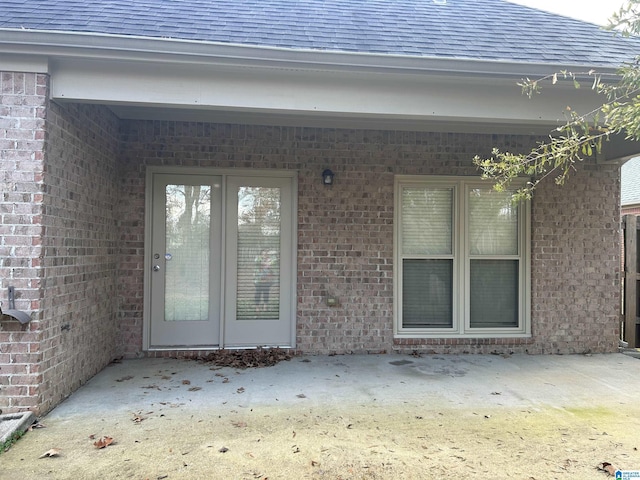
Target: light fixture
point(327, 177)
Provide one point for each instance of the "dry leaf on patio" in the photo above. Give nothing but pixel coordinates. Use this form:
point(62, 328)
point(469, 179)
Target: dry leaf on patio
point(103, 442)
point(301, 395)
point(607, 467)
point(195, 389)
point(37, 425)
point(223, 450)
point(54, 452)
point(239, 424)
point(138, 418)
point(127, 377)
point(186, 382)
point(240, 390)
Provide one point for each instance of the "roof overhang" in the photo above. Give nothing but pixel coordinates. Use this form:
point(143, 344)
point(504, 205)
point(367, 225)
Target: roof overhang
point(157, 78)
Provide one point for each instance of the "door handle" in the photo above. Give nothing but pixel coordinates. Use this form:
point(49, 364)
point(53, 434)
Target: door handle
point(156, 268)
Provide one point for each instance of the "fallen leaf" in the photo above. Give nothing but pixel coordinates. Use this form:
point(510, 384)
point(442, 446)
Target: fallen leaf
point(314, 463)
point(127, 377)
point(239, 424)
point(608, 468)
point(226, 380)
point(92, 436)
point(54, 452)
point(195, 389)
point(223, 450)
point(138, 418)
point(301, 395)
point(240, 390)
point(496, 393)
point(103, 442)
point(37, 425)
point(186, 382)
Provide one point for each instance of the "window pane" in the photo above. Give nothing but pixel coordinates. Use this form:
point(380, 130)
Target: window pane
point(258, 295)
point(493, 223)
point(426, 221)
point(494, 293)
point(188, 216)
point(427, 293)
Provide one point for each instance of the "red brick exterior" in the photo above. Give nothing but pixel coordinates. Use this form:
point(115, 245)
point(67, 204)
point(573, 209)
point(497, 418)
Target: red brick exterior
point(73, 236)
point(58, 244)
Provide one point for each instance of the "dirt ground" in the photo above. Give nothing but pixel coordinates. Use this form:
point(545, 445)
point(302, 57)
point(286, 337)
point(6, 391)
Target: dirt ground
point(403, 440)
point(366, 442)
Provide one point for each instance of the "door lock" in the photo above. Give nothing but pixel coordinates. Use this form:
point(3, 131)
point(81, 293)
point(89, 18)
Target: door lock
point(156, 268)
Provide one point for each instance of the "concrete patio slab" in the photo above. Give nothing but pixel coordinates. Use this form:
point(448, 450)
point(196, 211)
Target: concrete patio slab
point(345, 416)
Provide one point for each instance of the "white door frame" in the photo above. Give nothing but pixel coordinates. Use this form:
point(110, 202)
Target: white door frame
point(223, 173)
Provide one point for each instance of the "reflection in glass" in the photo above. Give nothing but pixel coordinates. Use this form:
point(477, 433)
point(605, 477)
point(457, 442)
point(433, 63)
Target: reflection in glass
point(188, 218)
point(258, 295)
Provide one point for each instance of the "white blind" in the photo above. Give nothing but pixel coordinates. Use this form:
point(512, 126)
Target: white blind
point(258, 289)
point(493, 222)
point(427, 218)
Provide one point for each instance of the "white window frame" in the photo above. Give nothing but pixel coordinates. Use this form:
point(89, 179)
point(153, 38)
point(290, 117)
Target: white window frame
point(461, 327)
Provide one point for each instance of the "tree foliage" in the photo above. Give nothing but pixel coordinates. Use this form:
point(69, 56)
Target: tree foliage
point(583, 134)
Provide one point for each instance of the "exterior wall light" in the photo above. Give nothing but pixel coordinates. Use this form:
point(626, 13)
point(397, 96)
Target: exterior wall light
point(327, 177)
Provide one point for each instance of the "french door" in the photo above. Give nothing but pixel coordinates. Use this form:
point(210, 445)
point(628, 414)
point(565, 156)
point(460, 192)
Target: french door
point(220, 261)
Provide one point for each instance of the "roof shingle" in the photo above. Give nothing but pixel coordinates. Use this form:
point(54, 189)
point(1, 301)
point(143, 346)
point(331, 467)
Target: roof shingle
point(465, 29)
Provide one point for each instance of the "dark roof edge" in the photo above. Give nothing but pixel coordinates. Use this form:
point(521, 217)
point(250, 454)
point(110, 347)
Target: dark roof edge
point(124, 47)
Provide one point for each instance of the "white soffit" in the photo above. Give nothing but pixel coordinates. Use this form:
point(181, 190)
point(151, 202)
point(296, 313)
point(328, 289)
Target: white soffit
point(312, 93)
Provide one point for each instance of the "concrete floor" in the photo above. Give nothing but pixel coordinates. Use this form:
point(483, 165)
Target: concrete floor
point(355, 416)
point(448, 381)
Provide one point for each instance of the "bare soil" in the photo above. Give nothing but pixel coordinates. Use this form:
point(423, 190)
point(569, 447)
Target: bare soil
point(372, 442)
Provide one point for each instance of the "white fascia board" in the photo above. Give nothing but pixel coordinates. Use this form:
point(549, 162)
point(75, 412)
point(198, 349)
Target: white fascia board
point(24, 63)
point(180, 74)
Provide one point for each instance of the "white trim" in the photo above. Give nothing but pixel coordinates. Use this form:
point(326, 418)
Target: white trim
point(460, 327)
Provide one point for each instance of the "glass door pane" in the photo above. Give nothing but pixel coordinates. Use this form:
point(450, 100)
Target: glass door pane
point(187, 241)
point(258, 263)
point(259, 283)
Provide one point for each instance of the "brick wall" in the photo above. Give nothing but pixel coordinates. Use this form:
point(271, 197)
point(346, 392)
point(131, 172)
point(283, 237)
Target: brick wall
point(58, 242)
point(345, 233)
point(576, 258)
point(80, 264)
point(23, 103)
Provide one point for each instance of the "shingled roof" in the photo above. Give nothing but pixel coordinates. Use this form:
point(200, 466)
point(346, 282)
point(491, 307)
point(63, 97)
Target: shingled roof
point(457, 29)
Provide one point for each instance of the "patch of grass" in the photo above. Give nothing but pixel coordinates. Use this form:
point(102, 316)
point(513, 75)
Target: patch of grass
point(7, 444)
